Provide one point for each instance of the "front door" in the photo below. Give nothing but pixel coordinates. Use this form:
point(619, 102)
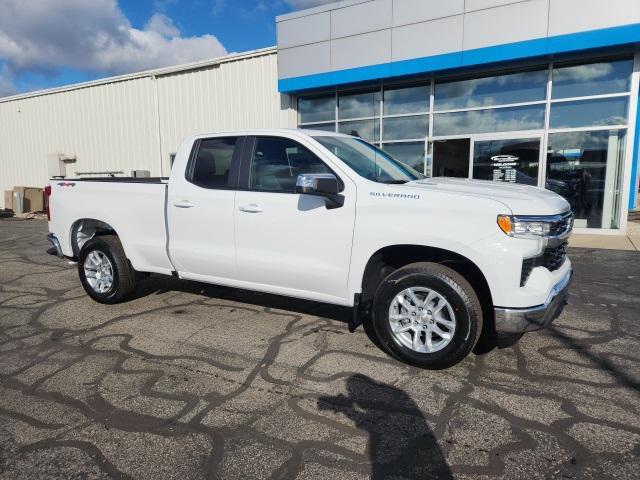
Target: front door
point(512, 160)
point(287, 242)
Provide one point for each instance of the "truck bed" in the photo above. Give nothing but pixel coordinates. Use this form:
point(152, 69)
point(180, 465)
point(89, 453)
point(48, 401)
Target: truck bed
point(134, 208)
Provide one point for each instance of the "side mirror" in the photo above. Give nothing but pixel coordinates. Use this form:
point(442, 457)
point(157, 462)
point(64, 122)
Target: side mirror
point(323, 185)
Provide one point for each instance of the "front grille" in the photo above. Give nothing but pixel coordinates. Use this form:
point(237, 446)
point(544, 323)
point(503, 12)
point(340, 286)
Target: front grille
point(552, 259)
point(562, 225)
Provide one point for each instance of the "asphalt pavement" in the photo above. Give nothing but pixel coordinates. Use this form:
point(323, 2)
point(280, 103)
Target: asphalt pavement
point(188, 381)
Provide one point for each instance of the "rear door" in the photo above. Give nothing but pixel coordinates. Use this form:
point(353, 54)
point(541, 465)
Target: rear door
point(291, 242)
point(200, 210)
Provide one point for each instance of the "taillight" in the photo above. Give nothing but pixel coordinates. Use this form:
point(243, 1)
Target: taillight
point(47, 195)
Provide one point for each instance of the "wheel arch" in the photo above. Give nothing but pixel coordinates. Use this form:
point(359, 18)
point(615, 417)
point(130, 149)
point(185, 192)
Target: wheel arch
point(84, 229)
point(389, 258)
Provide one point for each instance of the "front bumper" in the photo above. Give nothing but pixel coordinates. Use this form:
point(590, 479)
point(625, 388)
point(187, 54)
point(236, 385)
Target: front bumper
point(522, 320)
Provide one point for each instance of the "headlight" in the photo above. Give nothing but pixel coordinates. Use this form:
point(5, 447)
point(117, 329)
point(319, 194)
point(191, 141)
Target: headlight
point(527, 227)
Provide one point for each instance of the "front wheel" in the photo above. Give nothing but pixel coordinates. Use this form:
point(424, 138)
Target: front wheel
point(105, 273)
point(428, 315)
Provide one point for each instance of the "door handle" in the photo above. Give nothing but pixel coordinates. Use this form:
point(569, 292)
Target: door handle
point(183, 204)
point(250, 208)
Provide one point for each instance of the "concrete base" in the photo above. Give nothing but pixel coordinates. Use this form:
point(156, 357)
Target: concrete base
point(630, 241)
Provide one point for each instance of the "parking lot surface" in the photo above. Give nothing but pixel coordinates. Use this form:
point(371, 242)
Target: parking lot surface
point(187, 380)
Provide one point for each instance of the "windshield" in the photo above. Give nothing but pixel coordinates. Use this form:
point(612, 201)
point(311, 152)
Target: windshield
point(368, 161)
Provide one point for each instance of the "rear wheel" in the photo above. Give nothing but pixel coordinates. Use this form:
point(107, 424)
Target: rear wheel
point(428, 315)
point(105, 273)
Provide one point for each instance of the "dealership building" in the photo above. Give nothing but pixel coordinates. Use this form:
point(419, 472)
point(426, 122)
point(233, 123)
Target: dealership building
point(538, 92)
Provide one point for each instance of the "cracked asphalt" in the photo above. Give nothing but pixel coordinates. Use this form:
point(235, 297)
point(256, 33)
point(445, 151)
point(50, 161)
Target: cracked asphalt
point(191, 381)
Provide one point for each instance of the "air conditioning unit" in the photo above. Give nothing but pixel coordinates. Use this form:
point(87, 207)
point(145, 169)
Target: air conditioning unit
point(57, 164)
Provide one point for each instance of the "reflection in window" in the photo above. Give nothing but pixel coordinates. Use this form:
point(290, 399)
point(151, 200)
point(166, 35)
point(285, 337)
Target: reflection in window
point(451, 158)
point(400, 100)
point(409, 153)
point(586, 169)
point(277, 162)
point(366, 129)
point(530, 117)
point(401, 128)
point(316, 109)
point(589, 113)
point(489, 91)
point(325, 127)
point(359, 105)
point(592, 79)
point(511, 160)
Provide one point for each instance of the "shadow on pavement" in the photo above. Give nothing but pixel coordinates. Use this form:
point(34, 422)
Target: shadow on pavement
point(401, 444)
point(601, 362)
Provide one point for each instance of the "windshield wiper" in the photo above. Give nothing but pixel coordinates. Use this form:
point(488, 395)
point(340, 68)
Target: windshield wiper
point(395, 182)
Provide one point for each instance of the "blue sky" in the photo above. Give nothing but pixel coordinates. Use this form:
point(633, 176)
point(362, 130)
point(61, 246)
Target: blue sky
point(48, 43)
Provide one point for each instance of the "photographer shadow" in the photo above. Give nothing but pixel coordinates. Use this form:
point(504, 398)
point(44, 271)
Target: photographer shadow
point(401, 444)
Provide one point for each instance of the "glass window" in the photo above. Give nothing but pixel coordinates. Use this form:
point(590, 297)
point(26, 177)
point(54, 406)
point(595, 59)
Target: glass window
point(399, 100)
point(212, 162)
point(511, 161)
point(409, 153)
point(326, 127)
point(489, 91)
point(592, 79)
point(316, 109)
point(586, 169)
point(277, 162)
point(367, 129)
point(359, 105)
point(589, 113)
point(401, 128)
point(451, 158)
point(368, 161)
point(529, 117)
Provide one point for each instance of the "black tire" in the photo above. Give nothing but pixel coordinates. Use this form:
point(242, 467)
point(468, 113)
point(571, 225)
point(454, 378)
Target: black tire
point(454, 288)
point(124, 276)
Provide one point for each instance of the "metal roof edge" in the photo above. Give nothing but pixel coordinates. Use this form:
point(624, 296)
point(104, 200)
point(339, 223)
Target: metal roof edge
point(146, 73)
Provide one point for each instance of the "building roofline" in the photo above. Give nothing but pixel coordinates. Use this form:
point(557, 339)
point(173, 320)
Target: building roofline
point(146, 73)
point(318, 9)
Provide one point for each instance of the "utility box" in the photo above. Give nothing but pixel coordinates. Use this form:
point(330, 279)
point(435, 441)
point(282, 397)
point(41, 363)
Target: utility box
point(140, 173)
point(8, 199)
point(32, 199)
point(57, 164)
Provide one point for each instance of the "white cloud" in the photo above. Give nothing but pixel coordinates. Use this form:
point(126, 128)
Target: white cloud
point(302, 4)
point(43, 35)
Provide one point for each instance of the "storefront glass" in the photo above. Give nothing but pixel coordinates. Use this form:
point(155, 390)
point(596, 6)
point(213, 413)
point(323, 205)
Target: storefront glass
point(495, 127)
point(586, 169)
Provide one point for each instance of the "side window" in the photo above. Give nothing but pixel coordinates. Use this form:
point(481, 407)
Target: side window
point(212, 162)
point(277, 162)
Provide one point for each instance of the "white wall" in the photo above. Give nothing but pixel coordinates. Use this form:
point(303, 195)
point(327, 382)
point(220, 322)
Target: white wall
point(358, 33)
point(137, 122)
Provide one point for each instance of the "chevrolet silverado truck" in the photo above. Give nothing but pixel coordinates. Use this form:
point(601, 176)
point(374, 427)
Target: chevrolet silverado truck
point(431, 263)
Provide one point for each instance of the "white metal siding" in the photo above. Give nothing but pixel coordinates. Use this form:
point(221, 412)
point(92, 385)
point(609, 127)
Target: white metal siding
point(136, 123)
point(236, 95)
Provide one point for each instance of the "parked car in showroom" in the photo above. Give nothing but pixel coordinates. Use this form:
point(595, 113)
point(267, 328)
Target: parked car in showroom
point(432, 263)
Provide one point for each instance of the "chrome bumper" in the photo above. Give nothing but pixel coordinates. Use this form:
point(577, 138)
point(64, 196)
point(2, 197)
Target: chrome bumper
point(55, 244)
point(522, 320)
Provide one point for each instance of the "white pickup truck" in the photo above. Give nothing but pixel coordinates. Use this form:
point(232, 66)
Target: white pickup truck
point(431, 262)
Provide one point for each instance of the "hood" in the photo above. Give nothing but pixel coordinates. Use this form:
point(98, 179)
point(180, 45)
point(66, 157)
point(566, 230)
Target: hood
point(520, 199)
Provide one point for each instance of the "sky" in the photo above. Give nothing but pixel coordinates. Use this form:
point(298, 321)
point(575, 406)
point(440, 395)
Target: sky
point(49, 43)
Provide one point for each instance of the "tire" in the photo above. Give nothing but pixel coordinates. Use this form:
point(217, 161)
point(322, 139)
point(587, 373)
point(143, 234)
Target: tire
point(123, 276)
point(459, 319)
